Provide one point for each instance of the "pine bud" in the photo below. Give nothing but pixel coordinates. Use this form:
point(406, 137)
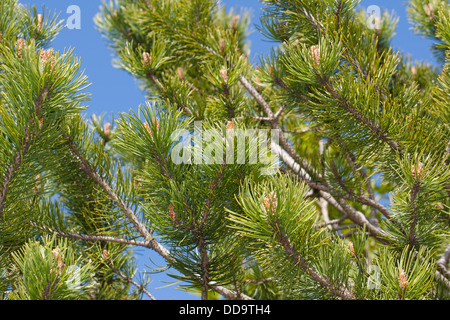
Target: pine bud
point(39, 22)
point(429, 10)
point(402, 279)
point(271, 202)
point(20, 44)
point(222, 45)
point(39, 186)
point(413, 71)
point(56, 253)
point(107, 129)
point(315, 54)
point(149, 130)
point(147, 58)
point(270, 70)
point(224, 75)
point(171, 213)
point(180, 73)
point(234, 22)
point(351, 248)
point(45, 56)
point(230, 125)
point(417, 171)
point(40, 123)
point(58, 259)
point(105, 254)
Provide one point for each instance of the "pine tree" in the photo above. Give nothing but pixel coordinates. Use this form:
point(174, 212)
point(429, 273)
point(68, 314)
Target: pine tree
point(352, 201)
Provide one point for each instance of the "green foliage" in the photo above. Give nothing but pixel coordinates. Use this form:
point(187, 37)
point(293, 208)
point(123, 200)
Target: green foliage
point(351, 203)
point(50, 270)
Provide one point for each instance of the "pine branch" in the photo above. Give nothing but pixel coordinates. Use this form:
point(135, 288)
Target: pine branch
point(290, 250)
point(151, 75)
point(341, 205)
point(19, 154)
point(274, 123)
point(140, 227)
point(128, 279)
point(443, 262)
point(413, 219)
point(373, 126)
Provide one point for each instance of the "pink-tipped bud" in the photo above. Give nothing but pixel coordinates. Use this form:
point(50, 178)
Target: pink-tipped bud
point(107, 129)
point(149, 130)
point(180, 73)
point(224, 75)
point(402, 279)
point(147, 58)
point(271, 202)
point(315, 54)
point(171, 212)
point(429, 10)
point(20, 44)
point(417, 171)
point(222, 45)
point(40, 19)
point(351, 248)
point(234, 22)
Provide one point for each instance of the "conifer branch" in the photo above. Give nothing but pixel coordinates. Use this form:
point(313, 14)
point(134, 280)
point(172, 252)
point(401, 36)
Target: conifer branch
point(151, 75)
point(290, 250)
point(274, 123)
point(141, 288)
point(373, 126)
point(413, 218)
point(443, 262)
point(19, 154)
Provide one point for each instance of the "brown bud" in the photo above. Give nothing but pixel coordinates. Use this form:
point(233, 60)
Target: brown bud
point(222, 45)
point(39, 22)
point(234, 22)
point(224, 75)
point(315, 54)
point(417, 171)
point(429, 10)
point(47, 55)
point(171, 213)
point(105, 254)
point(402, 279)
point(40, 123)
point(351, 248)
point(147, 58)
point(56, 253)
point(107, 129)
point(180, 73)
point(271, 202)
point(20, 44)
point(149, 130)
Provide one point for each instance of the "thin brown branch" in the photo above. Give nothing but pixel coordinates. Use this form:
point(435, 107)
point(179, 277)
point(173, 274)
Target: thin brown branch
point(373, 126)
point(443, 262)
point(128, 279)
point(28, 137)
point(290, 250)
point(151, 75)
point(413, 218)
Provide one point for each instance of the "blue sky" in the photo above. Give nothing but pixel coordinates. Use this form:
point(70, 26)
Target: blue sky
point(114, 91)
